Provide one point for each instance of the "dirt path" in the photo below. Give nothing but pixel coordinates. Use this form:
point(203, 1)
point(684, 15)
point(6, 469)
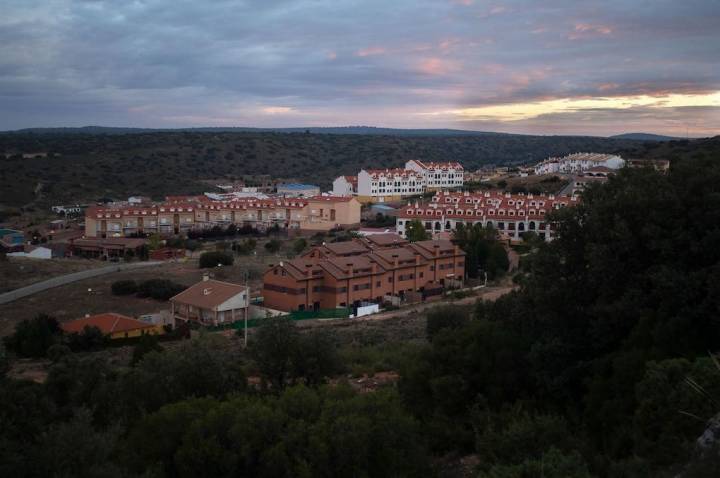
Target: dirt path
point(69, 279)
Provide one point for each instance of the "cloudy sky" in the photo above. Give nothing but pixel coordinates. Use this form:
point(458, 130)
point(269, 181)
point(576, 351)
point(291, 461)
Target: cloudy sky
point(526, 66)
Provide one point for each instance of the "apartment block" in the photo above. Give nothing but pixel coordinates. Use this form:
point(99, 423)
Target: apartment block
point(180, 214)
point(349, 274)
point(392, 184)
point(510, 214)
point(579, 162)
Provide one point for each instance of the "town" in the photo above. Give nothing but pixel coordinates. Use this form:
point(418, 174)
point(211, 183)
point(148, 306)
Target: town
point(293, 238)
point(383, 238)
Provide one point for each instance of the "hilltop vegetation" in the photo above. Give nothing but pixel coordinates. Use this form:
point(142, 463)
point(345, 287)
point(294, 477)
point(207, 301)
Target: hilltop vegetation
point(91, 166)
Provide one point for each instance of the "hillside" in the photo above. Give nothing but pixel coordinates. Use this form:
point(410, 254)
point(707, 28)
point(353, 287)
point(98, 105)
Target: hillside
point(90, 166)
point(644, 137)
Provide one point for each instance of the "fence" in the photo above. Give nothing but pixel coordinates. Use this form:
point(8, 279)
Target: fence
point(339, 313)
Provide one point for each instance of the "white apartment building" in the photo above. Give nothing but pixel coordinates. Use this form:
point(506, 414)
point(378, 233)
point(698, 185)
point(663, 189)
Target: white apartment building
point(438, 176)
point(383, 185)
point(345, 186)
point(578, 163)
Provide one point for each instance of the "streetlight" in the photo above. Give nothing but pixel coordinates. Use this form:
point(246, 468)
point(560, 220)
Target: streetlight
point(246, 275)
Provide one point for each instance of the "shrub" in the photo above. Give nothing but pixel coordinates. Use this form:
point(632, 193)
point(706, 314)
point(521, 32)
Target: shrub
point(213, 258)
point(124, 287)
point(159, 289)
point(91, 338)
point(33, 337)
point(446, 317)
point(273, 245)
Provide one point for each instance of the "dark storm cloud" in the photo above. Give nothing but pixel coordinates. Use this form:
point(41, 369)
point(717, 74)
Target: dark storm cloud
point(182, 63)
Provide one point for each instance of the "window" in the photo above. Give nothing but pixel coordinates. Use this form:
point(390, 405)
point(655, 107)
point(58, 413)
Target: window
point(378, 283)
point(422, 274)
point(390, 279)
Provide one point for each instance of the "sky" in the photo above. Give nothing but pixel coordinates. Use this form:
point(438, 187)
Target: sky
point(523, 66)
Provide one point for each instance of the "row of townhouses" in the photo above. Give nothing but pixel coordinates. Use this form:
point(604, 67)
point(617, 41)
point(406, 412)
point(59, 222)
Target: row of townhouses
point(384, 185)
point(510, 214)
point(579, 162)
point(376, 269)
point(179, 214)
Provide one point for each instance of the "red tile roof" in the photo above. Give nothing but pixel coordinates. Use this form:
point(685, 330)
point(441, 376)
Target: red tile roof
point(108, 323)
point(208, 294)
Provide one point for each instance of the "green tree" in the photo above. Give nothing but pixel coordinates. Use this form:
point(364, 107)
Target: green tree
point(299, 245)
point(124, 287)
point(155, 242)
point(33, 337)
point(445, 317)
point(213, 258)
point(273, 245)
point(272, 349)
point(90, 338)
point(415, 231)
point(147, 343)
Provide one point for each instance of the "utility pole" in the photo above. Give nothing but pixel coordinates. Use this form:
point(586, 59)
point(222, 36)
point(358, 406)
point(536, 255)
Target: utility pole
point(247, 307)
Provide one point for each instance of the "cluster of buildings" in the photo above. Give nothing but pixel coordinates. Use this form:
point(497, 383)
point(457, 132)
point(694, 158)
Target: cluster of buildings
point(375, 269)
point(386, 185)
point(578, 163)
point(180, 214)
point(510, 214)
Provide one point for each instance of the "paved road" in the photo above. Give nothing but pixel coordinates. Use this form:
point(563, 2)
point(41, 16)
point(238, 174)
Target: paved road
point(70, 278)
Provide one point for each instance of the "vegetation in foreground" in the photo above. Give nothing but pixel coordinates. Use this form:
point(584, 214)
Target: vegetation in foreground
point(597, 367)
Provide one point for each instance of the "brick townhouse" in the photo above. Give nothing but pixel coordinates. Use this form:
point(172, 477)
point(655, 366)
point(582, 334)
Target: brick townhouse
point(347, 274)
point(179, 214)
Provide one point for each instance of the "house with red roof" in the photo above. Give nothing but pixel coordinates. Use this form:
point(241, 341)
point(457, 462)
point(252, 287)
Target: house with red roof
point(116, 326)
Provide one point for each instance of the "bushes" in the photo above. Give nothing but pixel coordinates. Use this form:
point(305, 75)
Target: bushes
point(91, 338)
point(273, 245)
point(213, 258)
point(159, 289)
point(244, 248)
point(33, 337)
point(446, 317)
point(124, 287)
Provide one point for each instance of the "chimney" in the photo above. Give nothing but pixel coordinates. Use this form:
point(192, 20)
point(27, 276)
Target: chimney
point(436, 249)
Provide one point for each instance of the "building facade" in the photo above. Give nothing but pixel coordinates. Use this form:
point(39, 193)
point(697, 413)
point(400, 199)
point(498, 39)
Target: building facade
point(296, 190)
point(438, 176)
point(178, 215)
point(510, 214)
point(385, 185)
point(360, 272)
point(211, 302)
point(392, 184)
point(345, 186)
point(578, 163)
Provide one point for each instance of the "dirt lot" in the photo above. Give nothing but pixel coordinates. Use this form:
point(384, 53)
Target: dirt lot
point(93, 295)
point(19, 271)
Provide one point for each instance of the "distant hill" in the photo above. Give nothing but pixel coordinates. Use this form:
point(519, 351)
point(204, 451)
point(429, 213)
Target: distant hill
point(89, 164)
point(645, 137)
point(365, 130)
